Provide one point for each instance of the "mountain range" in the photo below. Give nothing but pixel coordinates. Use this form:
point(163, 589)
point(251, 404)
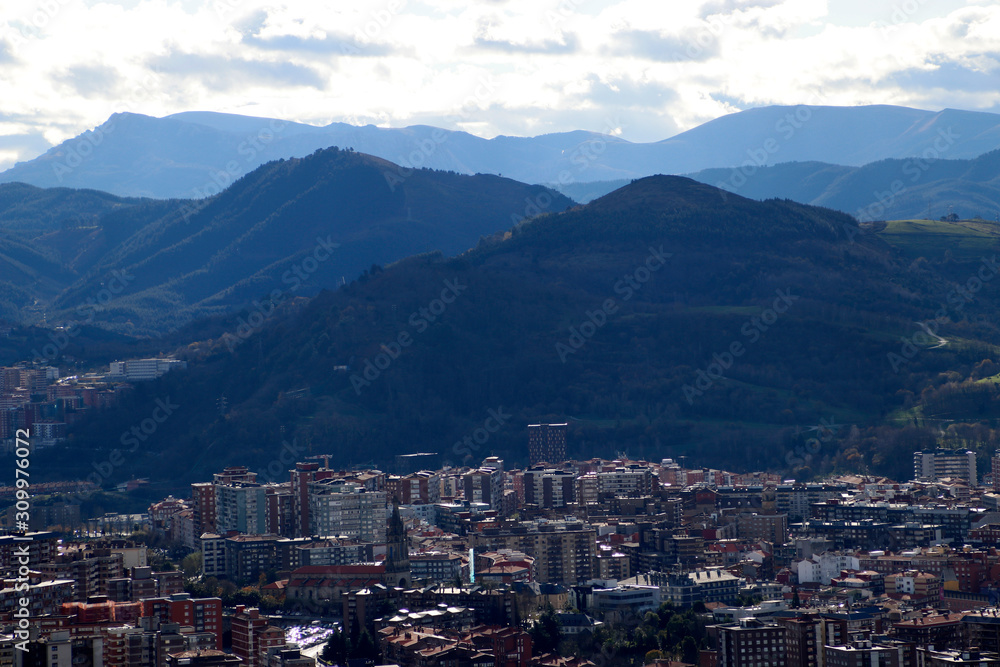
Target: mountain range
point(663, 319)
point(891, 189)
point(197, 154)
point(289, 228)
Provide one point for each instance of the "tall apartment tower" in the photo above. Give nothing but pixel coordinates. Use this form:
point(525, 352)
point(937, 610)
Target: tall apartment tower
point(935, 464)
point(995, 469)
point(546, 443)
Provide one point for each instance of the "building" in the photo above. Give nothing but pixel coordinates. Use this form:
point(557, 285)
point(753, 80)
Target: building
point(143, 369)
point(331, 551)
point(416, 488)
point(484, 485)
point(341, 508)
point(91, 569)
point(803, 639)
point(240, 507)
point(922, 587)
point(626, 480)
point(564, 552)
point(546, 443)
point(253, 635)
point(623, 600)
point(772, 528)
point(936, 464)
point(549, 488)
point(928, 657)
point(203, 499)
point(213, 555)
point(436, 566)
point(209, 658)
point(751, 643)
point(202, 614)
point(246, 556)
point(397, 552)
point(861, 651)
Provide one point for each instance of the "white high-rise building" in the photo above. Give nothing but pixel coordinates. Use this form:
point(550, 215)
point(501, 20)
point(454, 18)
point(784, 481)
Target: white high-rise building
point(936, 464)
point(340, 508)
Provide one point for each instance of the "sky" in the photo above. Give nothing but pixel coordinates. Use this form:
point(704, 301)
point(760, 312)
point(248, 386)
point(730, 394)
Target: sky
point(641, 69)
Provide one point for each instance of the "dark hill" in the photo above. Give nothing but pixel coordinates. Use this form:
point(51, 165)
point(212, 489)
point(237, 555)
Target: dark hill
point(662, 320)
point(291, 226)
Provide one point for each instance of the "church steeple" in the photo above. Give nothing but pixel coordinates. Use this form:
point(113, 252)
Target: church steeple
point(397, 552)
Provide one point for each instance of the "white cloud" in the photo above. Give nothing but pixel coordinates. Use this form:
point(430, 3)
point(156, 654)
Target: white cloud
point(549, 65)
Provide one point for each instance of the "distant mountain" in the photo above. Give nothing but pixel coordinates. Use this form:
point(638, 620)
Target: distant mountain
point(893, 189)
point(884, 190)
point(291, 228)
point(192, 154)
point(663, 319)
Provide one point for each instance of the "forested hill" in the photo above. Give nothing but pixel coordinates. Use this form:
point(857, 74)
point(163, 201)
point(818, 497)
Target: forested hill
point(664, 319)
point(293, 226)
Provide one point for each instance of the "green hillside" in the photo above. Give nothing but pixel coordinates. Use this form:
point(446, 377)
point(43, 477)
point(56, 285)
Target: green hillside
point(660, 320)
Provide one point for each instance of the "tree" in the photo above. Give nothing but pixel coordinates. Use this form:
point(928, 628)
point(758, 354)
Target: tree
point(652, 656)
point(546, 632)
point(366, 648)
point(336, 649)
point(192, 564)
point(689, 650)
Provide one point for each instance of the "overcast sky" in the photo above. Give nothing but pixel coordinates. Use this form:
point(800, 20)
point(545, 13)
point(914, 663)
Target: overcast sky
point(643, 69)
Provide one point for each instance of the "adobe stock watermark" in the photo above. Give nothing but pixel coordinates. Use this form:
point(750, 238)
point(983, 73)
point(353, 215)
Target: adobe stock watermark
point(420, 320)
point(915, 169)
point(34, 23)
point(562, 12)
point(279, 467)
point(471, 443)
point(533, 206)
point(378, 21)
point(588, 152)
point(295, 277)
point(130, 441)
point(785, 129)
point(60, 338)
point(84, 146)
point(626, 286)
point(220, 179)
point(803, 454)
point(752, 330)
point(926, 335)
point(901, 13)
point(424, 149)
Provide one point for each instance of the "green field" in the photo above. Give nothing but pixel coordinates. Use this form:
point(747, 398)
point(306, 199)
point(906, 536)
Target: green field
point(967, 240)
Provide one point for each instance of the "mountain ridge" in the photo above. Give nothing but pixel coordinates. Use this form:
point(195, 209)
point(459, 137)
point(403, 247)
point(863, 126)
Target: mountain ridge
point(340, 376)
point(191, 258)
point(183, 154)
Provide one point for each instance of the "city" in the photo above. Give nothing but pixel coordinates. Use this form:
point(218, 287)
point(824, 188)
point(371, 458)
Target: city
point(464, 566)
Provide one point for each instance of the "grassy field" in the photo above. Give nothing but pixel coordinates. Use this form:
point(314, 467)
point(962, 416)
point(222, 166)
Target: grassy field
point(967, 240)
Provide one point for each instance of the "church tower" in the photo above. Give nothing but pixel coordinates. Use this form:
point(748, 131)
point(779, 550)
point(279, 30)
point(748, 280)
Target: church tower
point(397, 552)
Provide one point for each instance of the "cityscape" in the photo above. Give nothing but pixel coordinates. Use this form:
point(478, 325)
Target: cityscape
point(509, 333)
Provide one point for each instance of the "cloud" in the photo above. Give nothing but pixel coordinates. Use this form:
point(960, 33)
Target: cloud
point(6, 55)
point(89, 80)
point(951, 76)
point(626, 92)
point(564, 45)
point(712, 7)
point(656, 46)
point(553, 65)
point(19, 146)
point(223, 73)
point(343, 45)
